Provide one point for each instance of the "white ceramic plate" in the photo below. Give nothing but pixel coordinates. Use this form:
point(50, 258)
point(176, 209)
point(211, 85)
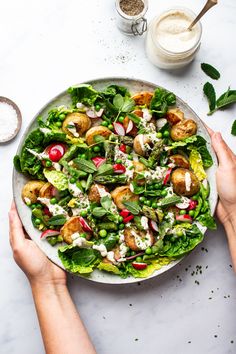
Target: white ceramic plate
point(19, 180)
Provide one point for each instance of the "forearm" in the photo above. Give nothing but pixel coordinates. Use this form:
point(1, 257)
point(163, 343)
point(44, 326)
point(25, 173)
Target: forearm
point(61, 327)
point(230, 228)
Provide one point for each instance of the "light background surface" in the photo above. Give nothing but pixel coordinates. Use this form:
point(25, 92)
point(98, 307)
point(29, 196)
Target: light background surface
point(47, 46)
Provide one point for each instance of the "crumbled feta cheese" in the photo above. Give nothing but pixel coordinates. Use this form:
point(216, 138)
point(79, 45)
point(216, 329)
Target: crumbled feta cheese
point(144, 222)
point(102, 249)
point(54, 209)
point(188, 181)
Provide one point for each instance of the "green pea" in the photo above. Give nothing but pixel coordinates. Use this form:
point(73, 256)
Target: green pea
point(83, 156)
point(130, 157)
point(142, 199)
point(96, 148)
point(103, 233)
point(157, 185)
point(121, 226)
point(84, 235)
point(39, 206)
point(133, 253)
point(166, 134)
point(72, 180)
point(154, 205)
point(59, 238)
point(48, 163)
point(97, 107)
point(182, 212)
point(110, 126)
point(159, 135)
point(191, 212)
point(121, 119)
point(53, 200)
point(120, 219)
point(37, 221)
point(163, 193)
point(148, 250)
point(194, 197)
point(139, 259)
point(83, 213)
point(147, 202)
point(105, 123)
point(59, 124)
point(62, 116)
point(118, 161)
point(179, 233)
point(33, 206)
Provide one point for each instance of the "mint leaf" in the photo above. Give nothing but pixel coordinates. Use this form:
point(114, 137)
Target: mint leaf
point(226, 99)
point(84, 165)
point(106, 202)
point(99, 212)
point(210, 93)
point(210, 71)
point(133, 207)
point(233, 129)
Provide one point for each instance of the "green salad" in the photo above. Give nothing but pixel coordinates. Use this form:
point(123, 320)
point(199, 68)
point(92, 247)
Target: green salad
point(117, 181)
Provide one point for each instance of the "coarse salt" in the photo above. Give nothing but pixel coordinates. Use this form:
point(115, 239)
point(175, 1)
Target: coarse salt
point(8, 121)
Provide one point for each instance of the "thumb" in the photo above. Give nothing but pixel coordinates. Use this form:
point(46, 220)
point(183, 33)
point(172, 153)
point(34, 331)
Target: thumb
point(222, 150)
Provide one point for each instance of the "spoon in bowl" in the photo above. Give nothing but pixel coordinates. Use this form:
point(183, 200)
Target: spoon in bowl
point(207, 7)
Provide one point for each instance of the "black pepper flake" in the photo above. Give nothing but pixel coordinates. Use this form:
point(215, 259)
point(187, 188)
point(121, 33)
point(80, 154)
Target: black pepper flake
point(189, 342)
point(210, 298)
point(230, 265)
point(130, 304)
point(215, 336)
point(138, 283)
point(232, 341)
point(136, 339)
point(197, 282)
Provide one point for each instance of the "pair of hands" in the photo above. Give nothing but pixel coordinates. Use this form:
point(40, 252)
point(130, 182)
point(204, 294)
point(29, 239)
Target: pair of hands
point(40, 270)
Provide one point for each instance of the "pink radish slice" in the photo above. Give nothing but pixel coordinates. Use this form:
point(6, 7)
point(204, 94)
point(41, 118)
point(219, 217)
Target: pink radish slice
point(133, 257)
point(98, 161)
point(130, 126)
point(84, 224)
point(139, 266)
point(184, 218)
point(167, 176)
point(153, 225)
point(192, 204)
point(119, 129)
point(91, 113)
point(48, 233)
point(118, 168)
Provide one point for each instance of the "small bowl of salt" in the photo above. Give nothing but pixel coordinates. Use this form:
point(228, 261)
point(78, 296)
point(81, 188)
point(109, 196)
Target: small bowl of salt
point(10, 119)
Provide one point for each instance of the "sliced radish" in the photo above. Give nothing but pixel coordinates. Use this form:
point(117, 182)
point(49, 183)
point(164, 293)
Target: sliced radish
point(184, 204)
point(92, 113)
point(119, 168)
point(98, 161)
point(184, 218)
point(130, 126)
point(55, 151)
point(135, 256)
point(122, 148)
point(46, 211)
point(48, 233)
point(192, 204)
point(84, 224)
point(139, 266)
point(125, 213)
point(128, 219)
point(153, 225)
point(119, 129)
point(167, 176)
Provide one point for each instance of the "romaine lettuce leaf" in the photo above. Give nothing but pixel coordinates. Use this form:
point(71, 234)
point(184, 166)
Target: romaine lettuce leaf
point(197, 165)
point(108, 267)
point(84, 94)
point(154, 265)
point(207, 220)
point(182, 143)
point(56, 178)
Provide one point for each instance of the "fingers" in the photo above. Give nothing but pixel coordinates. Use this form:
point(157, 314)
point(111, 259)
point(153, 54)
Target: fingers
point(223, 152)
point(17, 236)
point(210, 131)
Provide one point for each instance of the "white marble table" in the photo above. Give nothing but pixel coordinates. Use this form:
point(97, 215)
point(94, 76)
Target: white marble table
point(47, 46)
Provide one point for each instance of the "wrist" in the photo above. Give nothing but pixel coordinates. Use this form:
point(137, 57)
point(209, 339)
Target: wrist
point(49, 287)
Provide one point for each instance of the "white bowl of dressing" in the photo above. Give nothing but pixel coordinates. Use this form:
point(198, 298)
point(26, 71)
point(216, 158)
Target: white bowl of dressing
point(169, 43)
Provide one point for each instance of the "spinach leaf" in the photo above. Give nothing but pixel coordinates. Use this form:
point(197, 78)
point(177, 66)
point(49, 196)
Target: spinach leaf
point(56, 220)
point(123, 104)
point(133, 207)
point(233, 129)
point(99, 212)
point(160, 102)
point(210, 93)
point(210, 71)
point(112, 90)
point(83, 93)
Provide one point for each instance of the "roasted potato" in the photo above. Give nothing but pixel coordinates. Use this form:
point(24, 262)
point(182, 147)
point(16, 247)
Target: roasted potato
point(46, 191)
point(70, 227)
point(97, 130)
point(130, 239)
point(183, 130)
point(174, 116)
point(139, 142)
point(94, 195)
point(81, 121)
point(185, 182)
point(179, 161)
point(123, 194)
point(143, 98)
point(139, 167)
point(31, 191)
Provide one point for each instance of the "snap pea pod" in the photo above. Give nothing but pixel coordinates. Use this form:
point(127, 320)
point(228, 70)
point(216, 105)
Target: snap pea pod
point(155, 154)
point(149, 212)
point(70, 153)
point(127, 140)
point(108, 226)
point(121, 179)
point(64, 201)
point(109, 150)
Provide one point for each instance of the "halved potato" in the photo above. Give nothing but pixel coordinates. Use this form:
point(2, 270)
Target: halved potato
point(185, 182)
point(72, 226)
point(142, 98)
point(183, 130)
point(123, 194)
point(31, 190)
point(130, 239)
point(179, 160)
point(94, 195)
point(80, 120)
point(97, 130)
point(139, 143)
point(46, 191)
point(174, 116)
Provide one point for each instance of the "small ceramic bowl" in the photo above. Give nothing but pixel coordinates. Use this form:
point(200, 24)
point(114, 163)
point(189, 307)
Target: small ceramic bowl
point(19, 118)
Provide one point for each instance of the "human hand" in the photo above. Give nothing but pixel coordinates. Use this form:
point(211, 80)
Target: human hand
point(37, 267)
point(225, 178)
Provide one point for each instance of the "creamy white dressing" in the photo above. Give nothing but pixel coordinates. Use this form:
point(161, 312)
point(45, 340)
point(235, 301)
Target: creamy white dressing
point(160, 123)
point(147, 116)
point(54, 209)
point(188, 181)
point(184, 203)
point(157, 174)
point(121, 236)
point(27, 201)
point(45, 130)
point(56, 166)
point(131, 187)
point(80, 241)
point(111, 257)
point(142, 243)
point(40, 156)
point(123, 250)
point(72, 129)
point(169, 191)
point(74, 190)
point(172, 32)
point(102, 249)
point(144, 222)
